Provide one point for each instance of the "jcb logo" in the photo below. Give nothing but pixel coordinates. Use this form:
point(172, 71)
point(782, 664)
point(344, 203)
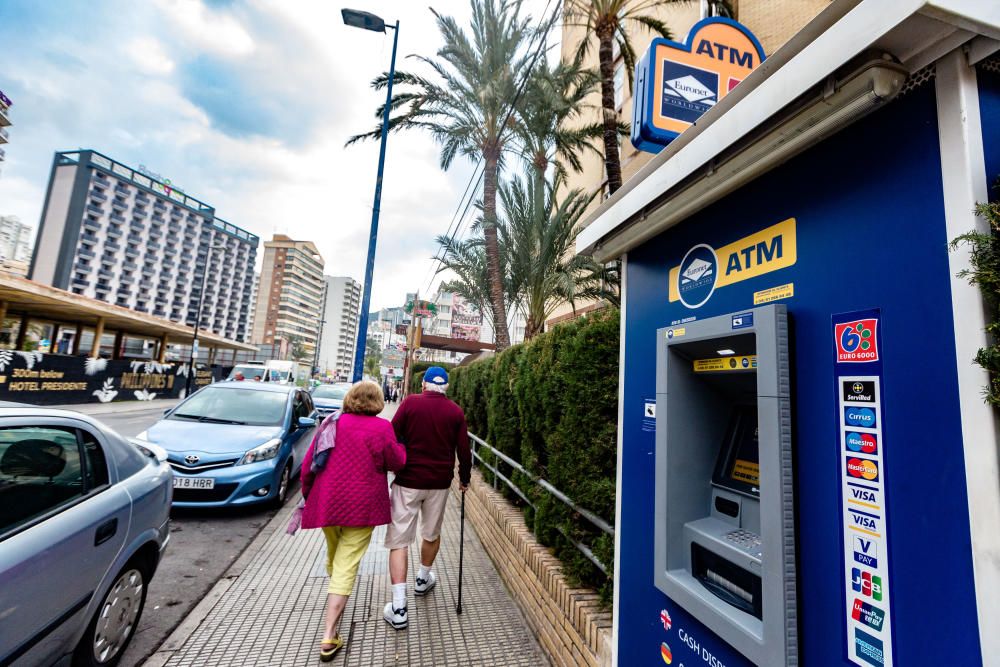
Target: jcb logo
point(866, 584)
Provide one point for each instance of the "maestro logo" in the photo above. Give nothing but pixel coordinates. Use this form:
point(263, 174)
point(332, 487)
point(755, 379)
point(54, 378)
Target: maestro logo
point(865, 443)
point(862, 468)
point(698, 274)
point(859, 417)
point(856, 341)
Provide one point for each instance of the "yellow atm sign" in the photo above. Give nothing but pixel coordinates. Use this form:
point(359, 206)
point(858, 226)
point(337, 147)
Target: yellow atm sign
point(704, 268)
point(675, 83)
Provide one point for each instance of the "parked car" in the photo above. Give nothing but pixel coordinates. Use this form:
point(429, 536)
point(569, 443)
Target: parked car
point(329, 398)
point(235, 443)
point(84, 521)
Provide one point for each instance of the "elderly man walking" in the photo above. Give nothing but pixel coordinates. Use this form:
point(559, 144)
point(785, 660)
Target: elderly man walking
point(432, 428)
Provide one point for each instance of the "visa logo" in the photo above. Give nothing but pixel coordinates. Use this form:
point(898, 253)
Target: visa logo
point(865, 495)
point(866, 551)
point(866, 521)
point(867, 584)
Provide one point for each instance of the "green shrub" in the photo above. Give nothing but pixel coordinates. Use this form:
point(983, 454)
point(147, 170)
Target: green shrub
point(552, 405)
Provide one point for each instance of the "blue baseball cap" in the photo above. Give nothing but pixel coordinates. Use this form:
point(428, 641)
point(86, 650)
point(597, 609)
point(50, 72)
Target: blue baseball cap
point(436, 375)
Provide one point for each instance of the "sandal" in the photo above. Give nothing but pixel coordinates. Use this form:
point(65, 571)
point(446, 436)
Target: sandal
point(328, 648)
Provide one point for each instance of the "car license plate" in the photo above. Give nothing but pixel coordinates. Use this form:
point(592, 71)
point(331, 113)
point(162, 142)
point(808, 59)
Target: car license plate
point(194, 483)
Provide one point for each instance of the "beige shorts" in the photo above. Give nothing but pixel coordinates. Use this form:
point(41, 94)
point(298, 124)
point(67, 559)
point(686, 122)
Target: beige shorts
point(407, 505)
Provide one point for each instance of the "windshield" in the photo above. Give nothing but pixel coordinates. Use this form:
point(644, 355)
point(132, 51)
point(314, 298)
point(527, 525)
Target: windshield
point(326, 391)
point(249, 372)
point(234, 406)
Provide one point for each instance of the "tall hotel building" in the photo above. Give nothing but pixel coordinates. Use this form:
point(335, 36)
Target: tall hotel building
point(127, 237)
point(340, 326)
point(5, 105)
point(290, 294)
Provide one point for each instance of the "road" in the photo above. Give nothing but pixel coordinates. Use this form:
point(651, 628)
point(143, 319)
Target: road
point(203, 544)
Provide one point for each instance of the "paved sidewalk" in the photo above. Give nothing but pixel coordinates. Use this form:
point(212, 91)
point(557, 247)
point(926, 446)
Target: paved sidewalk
point(269, 610)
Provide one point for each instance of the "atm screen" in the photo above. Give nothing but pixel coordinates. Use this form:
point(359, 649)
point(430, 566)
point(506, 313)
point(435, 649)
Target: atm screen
point(738, 466)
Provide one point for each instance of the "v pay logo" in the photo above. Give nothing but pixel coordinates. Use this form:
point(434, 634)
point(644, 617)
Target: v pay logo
point(866, 551)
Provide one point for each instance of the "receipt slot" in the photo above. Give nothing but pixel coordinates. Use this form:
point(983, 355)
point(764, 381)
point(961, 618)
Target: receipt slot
point(725, 530)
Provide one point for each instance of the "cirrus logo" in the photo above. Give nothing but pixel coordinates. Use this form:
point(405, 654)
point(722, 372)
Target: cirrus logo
point(859, 417)
point(698, 274)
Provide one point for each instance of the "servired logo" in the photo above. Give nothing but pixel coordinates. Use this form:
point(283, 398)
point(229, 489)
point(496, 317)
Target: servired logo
point(866, 584)
point(862, 468)
point(856, 341)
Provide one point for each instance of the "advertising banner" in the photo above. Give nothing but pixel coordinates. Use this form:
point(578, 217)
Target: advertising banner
point(52, 379)
point(861, 453)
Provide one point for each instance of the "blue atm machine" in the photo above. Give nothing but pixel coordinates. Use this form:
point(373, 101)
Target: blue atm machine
point(808, 473)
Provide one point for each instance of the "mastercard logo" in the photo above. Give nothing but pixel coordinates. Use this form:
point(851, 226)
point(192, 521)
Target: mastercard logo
point(668, 657)
point(862, 468)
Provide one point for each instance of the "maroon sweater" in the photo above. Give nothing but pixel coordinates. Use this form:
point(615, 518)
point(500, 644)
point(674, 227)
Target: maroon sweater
point(432, 428)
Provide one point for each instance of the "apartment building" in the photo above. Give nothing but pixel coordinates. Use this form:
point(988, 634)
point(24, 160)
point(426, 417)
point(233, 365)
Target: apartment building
point(253, 301)
point(5, 105)
point(773, 22)
point(129, 237)
point(338, 341)
point(15, 239)
point(290, 296)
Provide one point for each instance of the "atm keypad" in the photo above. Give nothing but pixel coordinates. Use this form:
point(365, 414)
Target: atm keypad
point(749, 542)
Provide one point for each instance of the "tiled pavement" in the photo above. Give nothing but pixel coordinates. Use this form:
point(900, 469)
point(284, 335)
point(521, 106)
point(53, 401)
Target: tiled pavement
point(272, 613)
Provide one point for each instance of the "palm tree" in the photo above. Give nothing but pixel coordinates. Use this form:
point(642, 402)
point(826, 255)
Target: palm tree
point(538, 233)
point(466, 259)
point(466, 108)
point(608, 21)
point(553, 99)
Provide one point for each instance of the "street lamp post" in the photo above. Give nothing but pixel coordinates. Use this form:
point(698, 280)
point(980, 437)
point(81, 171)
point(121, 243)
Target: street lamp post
point(368, 21)
point(197, 322)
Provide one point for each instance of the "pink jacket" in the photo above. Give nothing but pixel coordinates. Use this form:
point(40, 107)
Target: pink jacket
point(352, 489)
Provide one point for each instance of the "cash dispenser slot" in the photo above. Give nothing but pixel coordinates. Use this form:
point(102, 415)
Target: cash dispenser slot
point(725, 544)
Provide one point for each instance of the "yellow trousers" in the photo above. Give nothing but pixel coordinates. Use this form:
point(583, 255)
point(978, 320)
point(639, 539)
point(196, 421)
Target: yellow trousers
point(345, 547)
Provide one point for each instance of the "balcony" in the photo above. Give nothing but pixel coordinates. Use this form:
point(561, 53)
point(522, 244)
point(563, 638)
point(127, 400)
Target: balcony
point(90, 223)
point(170, 251)
point(146, 284)
point(159, 312)
point(119, 204)
point(102, 288)
point(159, 206)
point(142, 199)
point(115, 232)
point(78, 282)
point(176, 214)
point(95, 209)
point(122, 190)
point(98, 195)
point(85, 252)
point(120, 219)
point(127, 280)
point(88, 238)
point(4, 135)
point(152, 245)
point(158, 219)
point(111, 245)
point(155, 233)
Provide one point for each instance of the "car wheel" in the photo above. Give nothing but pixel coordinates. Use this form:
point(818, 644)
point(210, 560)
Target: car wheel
point(284, 482)
point(115, 620)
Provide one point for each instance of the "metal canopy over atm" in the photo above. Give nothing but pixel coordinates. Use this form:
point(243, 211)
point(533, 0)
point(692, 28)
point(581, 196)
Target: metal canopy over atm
point(817, 199)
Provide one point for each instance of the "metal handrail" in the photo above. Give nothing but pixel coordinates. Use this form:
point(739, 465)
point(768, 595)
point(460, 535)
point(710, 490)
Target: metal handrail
point(553, 491)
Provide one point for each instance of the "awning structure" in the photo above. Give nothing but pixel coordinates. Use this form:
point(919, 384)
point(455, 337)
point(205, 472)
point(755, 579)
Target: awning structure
point(45, 303)
point(454, 344)
point(835, 70)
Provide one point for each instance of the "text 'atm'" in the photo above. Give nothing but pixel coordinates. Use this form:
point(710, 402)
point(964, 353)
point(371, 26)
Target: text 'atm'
point(725, 540)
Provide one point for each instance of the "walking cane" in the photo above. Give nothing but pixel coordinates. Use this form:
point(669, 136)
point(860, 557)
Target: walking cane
point(461, 555)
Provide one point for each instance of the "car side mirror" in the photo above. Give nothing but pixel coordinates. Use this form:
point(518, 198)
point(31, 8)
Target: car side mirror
point(306, 422)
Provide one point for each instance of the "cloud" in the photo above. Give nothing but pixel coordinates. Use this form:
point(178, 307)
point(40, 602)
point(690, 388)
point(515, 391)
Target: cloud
point(149, 56)
point(207, 30)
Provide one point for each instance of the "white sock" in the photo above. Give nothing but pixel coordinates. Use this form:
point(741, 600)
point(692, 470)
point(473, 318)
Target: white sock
point(399, 596)
point(423, 572)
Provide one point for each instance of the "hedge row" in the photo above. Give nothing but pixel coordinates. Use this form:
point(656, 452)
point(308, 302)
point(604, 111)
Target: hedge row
point(552, 405)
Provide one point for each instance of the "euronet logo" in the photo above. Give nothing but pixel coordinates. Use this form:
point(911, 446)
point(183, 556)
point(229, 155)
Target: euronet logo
point(692, 90)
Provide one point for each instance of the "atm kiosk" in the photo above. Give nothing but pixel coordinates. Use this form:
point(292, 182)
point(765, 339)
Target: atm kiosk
point(724, 523)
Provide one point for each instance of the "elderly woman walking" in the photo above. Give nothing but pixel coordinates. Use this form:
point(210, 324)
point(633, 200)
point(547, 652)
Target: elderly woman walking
point(347, 493)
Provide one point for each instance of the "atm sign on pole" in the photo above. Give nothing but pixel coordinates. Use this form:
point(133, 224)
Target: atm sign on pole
point(675, 83)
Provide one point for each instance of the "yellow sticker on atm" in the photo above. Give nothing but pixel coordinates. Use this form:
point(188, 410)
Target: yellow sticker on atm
point(676, 332)
point(725, 364)
point(774, 294)
point(747, 471)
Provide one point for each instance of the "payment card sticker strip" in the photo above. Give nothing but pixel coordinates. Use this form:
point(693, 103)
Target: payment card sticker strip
point(862, 473)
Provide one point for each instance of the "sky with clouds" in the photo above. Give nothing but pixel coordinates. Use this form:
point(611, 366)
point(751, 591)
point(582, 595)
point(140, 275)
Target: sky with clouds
point(246, 104)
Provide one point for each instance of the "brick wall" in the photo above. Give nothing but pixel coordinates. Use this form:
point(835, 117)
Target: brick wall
point(774, 22)
point(569, 622)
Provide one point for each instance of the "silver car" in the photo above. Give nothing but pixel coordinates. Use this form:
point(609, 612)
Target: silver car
point(84, 520)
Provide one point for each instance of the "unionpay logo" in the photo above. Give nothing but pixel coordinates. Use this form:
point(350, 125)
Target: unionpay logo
point(859, 417)
point(866, 583)
point(862, 468)
point(856, 341)
point(866, 443)
point(698, 274)
point(868, 614)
